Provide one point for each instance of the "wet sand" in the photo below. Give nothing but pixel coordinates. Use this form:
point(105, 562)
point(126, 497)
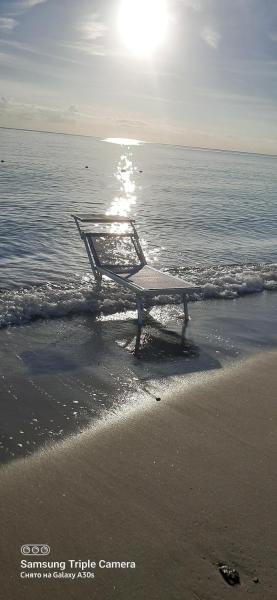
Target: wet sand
point(58, 376)
point(176, 486)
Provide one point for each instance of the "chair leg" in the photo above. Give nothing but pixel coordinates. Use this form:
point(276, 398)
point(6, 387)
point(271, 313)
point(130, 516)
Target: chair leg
point(140, 309)
point(138, 336)
point(186, 320)
point(98, 278)
point(186, 313)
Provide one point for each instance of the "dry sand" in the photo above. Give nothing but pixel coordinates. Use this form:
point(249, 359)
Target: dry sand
point(176, 487)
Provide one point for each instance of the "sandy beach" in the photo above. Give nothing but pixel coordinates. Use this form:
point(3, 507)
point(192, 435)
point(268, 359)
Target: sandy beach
point(138, 286)
point(175, 486)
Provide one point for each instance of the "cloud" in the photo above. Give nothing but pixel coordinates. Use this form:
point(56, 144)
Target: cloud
point(4, 103)
point(90, 37)
point(194, 4)
point(11, 8)
point(9, 58)
point(34, 112)
point(30, 3)
point(7, 23)
point(69, 117)
point(93, 28)
point(273, 36)
point(131, 123)
point(90, 32)
point(211, 37)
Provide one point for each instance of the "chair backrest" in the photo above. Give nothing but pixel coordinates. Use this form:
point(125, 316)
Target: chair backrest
point(112, 243)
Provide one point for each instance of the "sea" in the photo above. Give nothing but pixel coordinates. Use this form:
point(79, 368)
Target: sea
point(208, 216)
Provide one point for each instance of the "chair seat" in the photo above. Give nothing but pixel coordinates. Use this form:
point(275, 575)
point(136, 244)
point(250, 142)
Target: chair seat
point(149, 279)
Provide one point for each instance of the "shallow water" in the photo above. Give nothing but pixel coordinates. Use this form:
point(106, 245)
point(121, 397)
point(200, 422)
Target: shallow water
point(209, 216)
point(58, 377)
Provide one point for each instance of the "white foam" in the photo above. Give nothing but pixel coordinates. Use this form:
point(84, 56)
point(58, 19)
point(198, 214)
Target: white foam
point(18, 306)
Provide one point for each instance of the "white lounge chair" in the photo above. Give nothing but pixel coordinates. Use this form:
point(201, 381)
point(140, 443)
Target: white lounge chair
point(119, 256)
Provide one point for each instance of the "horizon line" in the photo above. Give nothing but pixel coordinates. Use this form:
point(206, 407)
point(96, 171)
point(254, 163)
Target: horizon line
point(203, 148)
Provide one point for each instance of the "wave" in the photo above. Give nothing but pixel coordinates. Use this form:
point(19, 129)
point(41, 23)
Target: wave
point(52, 300)
point(232, 281)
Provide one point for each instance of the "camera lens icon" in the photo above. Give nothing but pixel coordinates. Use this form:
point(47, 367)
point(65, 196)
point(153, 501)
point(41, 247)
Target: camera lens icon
point(35, 549)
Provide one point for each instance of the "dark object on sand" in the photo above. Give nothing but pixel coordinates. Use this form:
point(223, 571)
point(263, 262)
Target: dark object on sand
point(158, 399)
point(2, 160)
point(255, 579)
point(86, 167)
point(230, 575)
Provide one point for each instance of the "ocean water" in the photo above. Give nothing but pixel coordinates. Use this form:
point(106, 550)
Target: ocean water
point(208, 216)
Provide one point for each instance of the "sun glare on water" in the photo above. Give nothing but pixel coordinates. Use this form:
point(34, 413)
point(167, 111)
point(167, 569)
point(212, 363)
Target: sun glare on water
point(142, 25)
point(124, 141)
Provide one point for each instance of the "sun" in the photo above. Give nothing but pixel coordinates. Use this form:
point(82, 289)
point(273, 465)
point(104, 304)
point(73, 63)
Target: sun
point(142, 25)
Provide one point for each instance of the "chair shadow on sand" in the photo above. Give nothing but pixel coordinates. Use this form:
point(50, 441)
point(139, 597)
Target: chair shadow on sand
point(168, 351)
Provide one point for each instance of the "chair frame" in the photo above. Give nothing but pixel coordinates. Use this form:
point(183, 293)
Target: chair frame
point(115, 272)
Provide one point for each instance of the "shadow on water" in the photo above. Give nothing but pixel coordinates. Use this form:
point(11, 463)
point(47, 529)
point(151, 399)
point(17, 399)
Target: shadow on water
point(159, 346)
point(60, 376)
point(47, 361)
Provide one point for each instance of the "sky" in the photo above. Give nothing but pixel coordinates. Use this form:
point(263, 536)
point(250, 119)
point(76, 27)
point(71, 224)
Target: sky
point(210, 82)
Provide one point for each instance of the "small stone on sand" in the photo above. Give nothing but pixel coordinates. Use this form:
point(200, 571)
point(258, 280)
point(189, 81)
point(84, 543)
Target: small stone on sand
point(230, 575)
